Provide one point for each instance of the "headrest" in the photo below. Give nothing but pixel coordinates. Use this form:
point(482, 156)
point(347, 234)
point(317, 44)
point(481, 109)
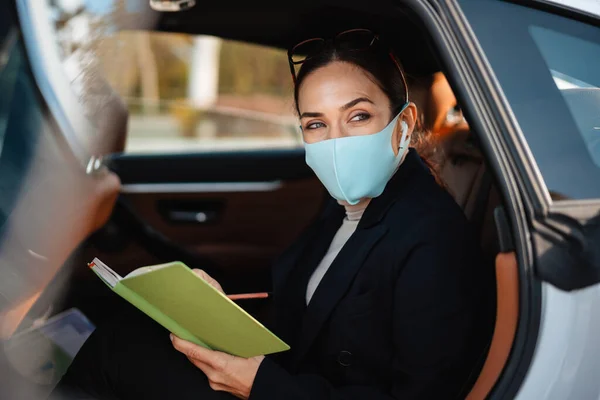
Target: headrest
point(436, 103)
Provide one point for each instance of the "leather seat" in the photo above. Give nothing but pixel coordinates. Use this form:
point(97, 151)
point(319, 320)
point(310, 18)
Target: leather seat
point(507, 281)
point(438, 108)
point(460, 162)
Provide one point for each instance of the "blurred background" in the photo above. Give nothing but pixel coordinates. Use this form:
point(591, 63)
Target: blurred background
point(183, 92)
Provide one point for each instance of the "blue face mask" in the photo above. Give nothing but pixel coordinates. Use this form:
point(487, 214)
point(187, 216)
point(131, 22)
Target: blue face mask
point(356, 167)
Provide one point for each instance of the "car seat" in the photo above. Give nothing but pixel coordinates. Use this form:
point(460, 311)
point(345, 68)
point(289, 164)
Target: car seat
point(464, 171)
point(507, 312)
point(459, 160)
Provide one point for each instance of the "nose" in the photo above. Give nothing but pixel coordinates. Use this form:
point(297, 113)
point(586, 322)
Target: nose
point(336, 131)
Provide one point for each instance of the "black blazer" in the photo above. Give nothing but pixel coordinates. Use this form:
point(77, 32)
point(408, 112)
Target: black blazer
point(405, 311)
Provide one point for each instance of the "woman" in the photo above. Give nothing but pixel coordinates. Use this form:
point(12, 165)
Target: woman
point(384, 297)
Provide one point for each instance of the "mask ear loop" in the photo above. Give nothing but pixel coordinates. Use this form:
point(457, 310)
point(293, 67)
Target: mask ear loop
point(403, 141)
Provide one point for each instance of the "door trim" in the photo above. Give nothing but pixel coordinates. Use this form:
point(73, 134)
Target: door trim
point(202, 187)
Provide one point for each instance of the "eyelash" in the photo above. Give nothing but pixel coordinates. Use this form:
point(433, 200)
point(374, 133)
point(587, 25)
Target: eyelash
point(310, 126)
point(364, 117)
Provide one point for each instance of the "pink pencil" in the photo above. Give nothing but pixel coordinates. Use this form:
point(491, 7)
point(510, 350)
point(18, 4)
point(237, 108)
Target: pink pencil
point(244, 296)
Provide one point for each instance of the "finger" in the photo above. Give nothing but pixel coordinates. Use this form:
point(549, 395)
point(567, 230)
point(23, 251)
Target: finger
point(211, 281)
point(202, 274)
point(217, 285)
point(217, 387)
point(209, 371)
point(191, 350)
point(214, 376)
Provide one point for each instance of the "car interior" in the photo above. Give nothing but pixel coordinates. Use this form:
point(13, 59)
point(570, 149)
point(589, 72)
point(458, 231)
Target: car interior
point(134, 210)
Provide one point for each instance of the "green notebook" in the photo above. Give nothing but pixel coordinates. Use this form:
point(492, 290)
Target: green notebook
point(178, 299)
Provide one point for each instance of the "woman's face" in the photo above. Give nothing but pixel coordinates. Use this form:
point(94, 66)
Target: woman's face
point(340, 100)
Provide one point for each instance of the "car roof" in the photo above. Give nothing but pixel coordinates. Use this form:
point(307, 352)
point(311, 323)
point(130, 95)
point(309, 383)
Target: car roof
point(283, 25)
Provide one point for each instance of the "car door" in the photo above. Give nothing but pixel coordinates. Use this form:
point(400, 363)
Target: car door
point(536, 105)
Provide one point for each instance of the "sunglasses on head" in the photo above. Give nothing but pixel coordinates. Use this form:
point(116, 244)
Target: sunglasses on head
point(350, 40)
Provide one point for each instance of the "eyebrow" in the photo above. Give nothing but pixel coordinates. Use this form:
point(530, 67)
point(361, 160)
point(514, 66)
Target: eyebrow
point(342, 108)
point(311, 115)
point(355, 102)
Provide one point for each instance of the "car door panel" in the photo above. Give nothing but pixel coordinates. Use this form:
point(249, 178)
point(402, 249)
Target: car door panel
point(237, 210)
point(239, 226)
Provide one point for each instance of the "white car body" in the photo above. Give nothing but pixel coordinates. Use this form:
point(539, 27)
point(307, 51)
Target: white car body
point(589, 6)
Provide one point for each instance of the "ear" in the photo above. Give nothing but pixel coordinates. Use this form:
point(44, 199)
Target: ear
point(409, 117)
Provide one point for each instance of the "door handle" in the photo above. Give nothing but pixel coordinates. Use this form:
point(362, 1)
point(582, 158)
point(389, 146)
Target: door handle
point(192, 216)
point(204, 211)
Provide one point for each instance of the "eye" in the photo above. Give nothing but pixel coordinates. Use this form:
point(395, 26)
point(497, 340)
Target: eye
point(360, 117)
point(314, 125)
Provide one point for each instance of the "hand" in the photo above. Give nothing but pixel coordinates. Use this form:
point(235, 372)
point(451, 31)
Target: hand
point(209, 279)
point(225, 372)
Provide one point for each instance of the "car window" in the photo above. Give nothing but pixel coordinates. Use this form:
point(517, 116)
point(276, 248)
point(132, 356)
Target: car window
point(184, 93)
point(577, 82)
point(549, 69)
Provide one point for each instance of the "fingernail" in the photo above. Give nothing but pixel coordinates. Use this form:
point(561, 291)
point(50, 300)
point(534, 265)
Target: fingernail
point(171, 336)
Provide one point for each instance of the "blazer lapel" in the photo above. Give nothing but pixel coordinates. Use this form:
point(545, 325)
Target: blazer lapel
point(307, 251)
point(294, 272)
point(334, 285)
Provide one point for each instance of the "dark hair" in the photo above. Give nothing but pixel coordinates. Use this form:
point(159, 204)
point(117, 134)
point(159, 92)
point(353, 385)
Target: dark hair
point(385, 73)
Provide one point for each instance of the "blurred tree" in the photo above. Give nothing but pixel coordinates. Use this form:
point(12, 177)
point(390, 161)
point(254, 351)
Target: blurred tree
point(172, 52)
point(148, 70)
point(248, 74)
point(250, 69)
